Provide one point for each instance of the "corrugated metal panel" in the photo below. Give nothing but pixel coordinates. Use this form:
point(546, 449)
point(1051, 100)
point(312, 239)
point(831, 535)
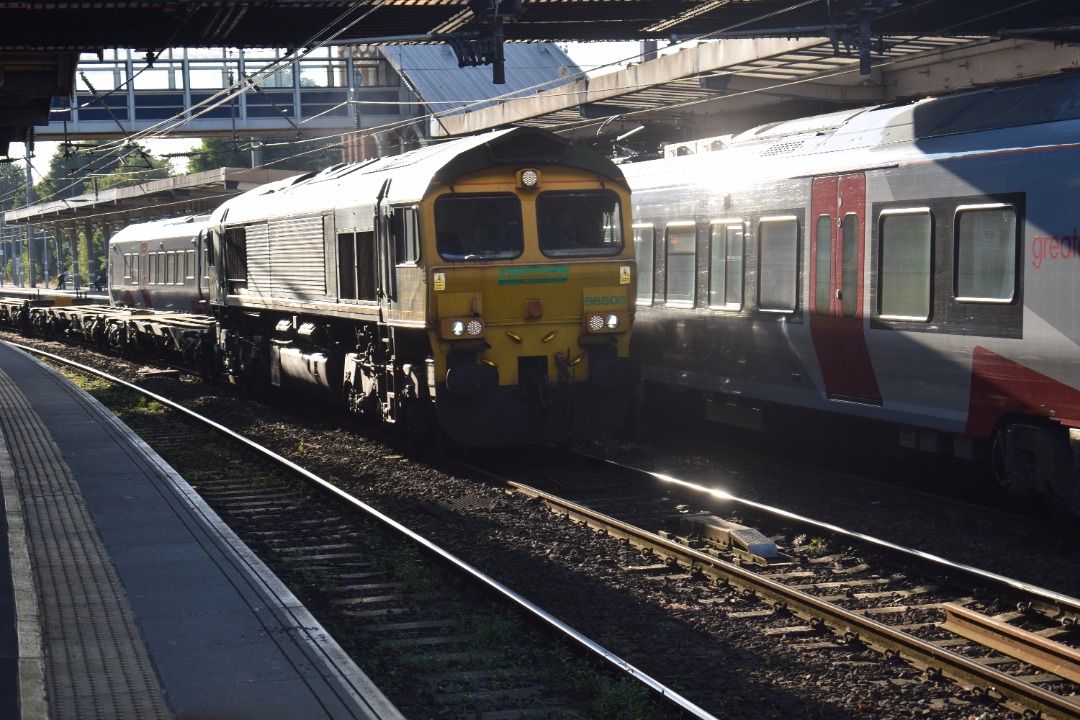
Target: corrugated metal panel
point(433, 70)
point(257, 238)
point(299, 257)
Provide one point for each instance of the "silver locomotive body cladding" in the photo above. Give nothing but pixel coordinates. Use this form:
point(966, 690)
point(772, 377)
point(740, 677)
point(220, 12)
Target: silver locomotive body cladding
point(914, 266)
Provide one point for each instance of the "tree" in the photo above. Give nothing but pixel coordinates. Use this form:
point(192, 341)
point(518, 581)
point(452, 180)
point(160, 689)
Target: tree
point(217, 153)
point(12, 186)
point(12, 194)
point(136, 167)
point(309, 154)
point(89, 166)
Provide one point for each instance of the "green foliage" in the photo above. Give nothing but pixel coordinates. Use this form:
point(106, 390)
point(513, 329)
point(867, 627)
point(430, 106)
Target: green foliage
point(93, 166)
point(311, 154)
point(217, 153)
point(12, 185)
point(407, 566)
point(613, 697)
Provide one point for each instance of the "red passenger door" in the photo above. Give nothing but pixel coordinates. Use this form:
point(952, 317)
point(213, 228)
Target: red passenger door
point(837, 255)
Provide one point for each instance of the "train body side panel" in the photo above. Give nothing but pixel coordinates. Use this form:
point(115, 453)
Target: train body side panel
point(1020, 350)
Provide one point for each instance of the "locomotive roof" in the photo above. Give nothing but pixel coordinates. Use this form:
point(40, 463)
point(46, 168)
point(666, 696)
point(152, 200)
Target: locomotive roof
point(1021, 115)
point(411, 173)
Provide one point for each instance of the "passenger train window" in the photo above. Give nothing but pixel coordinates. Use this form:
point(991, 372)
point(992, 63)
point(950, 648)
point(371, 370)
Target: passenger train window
point(849, 255)
point(726, 265)
point(823, 282)
point(644, 247)
point(477, 226)
point(985, 253)
point(681, 263)
point(778, 241)
point(579, 223)
point(905, 271)
point(131, 269)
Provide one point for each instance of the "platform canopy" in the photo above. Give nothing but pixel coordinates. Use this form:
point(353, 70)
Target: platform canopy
point(40, 41)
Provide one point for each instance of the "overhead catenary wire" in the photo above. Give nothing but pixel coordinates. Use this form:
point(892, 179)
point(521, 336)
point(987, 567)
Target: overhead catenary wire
point(162, 130)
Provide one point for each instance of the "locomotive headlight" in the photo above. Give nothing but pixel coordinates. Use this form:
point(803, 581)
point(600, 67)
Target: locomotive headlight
point(452, 328)
point(603, 322)
point(528, 178)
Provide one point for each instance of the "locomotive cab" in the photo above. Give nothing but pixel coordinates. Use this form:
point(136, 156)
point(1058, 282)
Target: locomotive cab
point(531, 301)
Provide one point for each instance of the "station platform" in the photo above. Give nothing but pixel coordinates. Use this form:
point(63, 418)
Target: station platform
point(123, 595)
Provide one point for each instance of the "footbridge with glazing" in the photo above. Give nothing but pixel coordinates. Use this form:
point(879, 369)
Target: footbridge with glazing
point(226, 92)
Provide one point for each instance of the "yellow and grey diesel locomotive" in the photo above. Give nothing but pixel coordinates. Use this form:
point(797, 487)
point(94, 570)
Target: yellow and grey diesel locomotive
point(484, 286)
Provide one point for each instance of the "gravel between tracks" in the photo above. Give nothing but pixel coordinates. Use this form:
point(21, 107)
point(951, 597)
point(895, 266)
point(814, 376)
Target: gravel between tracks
point(729, 667)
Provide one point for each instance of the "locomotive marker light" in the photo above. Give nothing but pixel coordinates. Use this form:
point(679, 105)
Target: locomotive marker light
point(528, 179)
point(460, 328)
point(598, 322)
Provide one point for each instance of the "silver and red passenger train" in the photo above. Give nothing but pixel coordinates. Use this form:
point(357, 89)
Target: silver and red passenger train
point(915, 268)
point(482, 287)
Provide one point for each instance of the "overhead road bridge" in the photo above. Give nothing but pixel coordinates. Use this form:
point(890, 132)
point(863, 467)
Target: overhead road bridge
point(40, 41)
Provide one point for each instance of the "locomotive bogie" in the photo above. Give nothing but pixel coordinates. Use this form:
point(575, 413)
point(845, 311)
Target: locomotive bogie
point(912, 267)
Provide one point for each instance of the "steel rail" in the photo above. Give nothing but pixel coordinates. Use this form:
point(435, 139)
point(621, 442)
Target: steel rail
point(1045, 654)
point(981, 678)
point(477, 575)
point(1055, 604)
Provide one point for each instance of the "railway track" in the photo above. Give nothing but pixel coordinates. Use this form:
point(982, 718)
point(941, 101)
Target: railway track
point(440, 637)
point(707, 604)
point(1003, 642)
